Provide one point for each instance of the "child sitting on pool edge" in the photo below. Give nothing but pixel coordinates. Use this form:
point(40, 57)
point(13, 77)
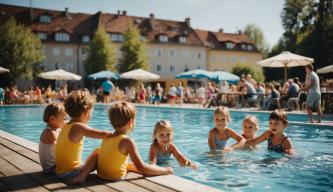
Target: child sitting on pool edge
point(79, 106)
point(276, 139)
point(250, 127)
point(114, 151)
point(219, 135)
point(162, 147)
point(54, 117)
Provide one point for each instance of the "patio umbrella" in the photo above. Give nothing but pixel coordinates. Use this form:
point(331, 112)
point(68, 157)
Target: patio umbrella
point(139, 74)
point(224, 76)
point(286, 59)
point(3, 70)
point(59, 75)
point(103, 75)
point(327, 69)
point(194, 74)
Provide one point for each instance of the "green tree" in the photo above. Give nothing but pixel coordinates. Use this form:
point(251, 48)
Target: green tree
point(255, 71)
point(257, 36)
point(20, 50)
point(133, 51)
point(101, 53)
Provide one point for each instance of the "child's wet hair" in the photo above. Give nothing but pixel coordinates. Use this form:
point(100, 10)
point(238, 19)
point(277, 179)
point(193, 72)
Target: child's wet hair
point(53, 109)
point(279, 115)
point(79, 102)
point(223, 110)
point(252, 119)
point(162, 125)
point(121, 113)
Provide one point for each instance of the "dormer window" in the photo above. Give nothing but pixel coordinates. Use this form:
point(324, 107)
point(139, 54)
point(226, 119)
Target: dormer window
point(117, 37)
point(45, 19)
point(60, 36)
point(163, 38)
point(243, 46)
point(42, 36)
point(229, 45)
point(85, 38)
point(182, 39)
point(249, 47)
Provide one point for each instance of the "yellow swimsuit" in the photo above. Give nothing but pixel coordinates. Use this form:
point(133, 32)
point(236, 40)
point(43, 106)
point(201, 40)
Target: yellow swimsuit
point(68, 154)
point(112, 164)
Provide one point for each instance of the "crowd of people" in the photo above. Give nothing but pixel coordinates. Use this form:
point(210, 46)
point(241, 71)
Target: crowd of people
point(110, 160)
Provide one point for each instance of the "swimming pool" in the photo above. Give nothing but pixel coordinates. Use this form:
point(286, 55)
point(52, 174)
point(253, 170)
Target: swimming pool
point(257, 170)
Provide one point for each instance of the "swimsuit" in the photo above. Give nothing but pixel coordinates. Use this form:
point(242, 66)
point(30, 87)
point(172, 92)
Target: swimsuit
point(278, 147)
point(220, 144)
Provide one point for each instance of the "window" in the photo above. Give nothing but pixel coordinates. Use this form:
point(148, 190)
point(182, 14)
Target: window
point(158, 68)
point(243, 46)
point(199, 55)
point(83, 51)
point(163, 38)
point(68, 52)
point(42, 36)
point(213, 58)
point(158, 52)
point(186, 68)
point(117, 37)
point(56, 65)
point(172, 68)
point(233, 60)
point(172, 53)
point(55, 51)
point(249, 47)
point(85, 38)
point(45, 19)
point(182, 39)
point(62, 37)
point(229, 45)
point(69, 67)
point(224, 59)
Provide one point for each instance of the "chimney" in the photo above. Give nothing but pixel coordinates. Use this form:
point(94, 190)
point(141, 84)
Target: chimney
point(124, 13)
point(31, 13)
point(239, 32)
point(67, 13)
point(188, 21)
point(118, 13)
point(152, 20)
point(152, 16)
point(220, 30)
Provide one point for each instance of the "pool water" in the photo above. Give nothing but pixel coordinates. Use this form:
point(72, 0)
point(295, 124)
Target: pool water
point(243, 170)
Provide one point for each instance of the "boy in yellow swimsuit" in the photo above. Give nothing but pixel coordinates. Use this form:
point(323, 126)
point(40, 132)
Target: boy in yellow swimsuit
point(114, 151)
point(78, 105)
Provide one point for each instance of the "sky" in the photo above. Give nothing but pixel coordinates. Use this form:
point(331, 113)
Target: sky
point(231, 15)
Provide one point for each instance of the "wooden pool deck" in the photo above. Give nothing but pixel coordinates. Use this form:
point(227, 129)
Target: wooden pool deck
point(20, 171)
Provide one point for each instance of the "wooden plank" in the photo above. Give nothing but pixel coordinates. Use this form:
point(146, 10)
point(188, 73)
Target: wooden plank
point(132, 175)
point(126, 186)
point(20, 141)
point(20, 150)
point(181, 184)
point(151, 185)
point(3, 185)
point(16, 180)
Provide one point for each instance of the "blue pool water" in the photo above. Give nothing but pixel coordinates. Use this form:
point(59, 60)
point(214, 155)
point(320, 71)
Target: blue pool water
point(257, 170)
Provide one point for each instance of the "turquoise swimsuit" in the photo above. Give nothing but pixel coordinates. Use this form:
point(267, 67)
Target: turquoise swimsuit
point(277, 148)
point(161, 157)
point(220, 144)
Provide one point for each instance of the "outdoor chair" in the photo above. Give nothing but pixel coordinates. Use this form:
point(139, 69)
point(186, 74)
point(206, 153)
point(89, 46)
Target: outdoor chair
point(294, 102)
point(273, 104)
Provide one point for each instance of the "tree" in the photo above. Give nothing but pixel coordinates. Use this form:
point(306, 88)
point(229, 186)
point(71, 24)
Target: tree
point(20, 50)
point(257, 36)
point(133, 51)
point(256, 71)
point(101, 53)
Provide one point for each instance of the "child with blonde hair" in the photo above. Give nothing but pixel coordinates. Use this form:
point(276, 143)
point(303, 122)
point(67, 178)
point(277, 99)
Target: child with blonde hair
point(220, 134)
point(250, 127)
point(79, 106)
point(54, 117)
point(276, 139)
point(163, 146)
point(115, 150)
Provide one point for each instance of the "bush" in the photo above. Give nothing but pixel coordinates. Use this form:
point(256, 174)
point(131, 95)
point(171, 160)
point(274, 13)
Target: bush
point(255, 71)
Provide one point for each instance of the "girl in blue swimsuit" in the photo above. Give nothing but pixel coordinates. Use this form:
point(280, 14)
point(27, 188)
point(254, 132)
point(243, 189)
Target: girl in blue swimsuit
point(162, 147)
point(277, 141)
point(219, 135)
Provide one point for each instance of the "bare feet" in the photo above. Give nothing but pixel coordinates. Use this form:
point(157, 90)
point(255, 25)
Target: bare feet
point(319, 121)
point(76, 180)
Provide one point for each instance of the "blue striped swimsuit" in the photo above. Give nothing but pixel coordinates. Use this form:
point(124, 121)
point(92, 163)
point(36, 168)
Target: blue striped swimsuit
point(278, 147)
point(161, 157)
point(220, 144)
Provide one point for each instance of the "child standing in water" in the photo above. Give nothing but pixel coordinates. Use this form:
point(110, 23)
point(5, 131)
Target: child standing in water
point(162, 147)
point(219, 135)
point(276, 139)
point(115, 150)
point(250, 127)
point(79, 106)
point(54, 117)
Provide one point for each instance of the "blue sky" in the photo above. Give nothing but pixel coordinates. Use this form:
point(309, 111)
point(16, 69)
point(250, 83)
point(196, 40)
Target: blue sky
point(231, 15)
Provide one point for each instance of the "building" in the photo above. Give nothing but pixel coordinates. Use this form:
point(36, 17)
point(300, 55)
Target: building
point(172, 46)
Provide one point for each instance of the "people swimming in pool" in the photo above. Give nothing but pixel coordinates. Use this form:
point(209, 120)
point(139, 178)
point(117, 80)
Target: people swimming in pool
point(276, 139)
point(220, 134)
point(250, 127)
point(163, 147)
